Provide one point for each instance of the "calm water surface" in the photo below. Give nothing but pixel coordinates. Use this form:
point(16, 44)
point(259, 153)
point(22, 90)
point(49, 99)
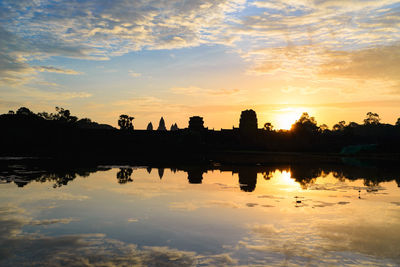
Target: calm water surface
point(226, 215)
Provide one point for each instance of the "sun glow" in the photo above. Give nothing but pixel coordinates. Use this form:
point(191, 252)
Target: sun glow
point(287, 118)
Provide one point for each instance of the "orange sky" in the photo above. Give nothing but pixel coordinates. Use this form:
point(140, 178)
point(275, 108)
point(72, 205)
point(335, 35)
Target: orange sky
point(334, 59)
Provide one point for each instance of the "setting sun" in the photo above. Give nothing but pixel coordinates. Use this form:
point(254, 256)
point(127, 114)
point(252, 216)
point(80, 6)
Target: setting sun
point(285, 119)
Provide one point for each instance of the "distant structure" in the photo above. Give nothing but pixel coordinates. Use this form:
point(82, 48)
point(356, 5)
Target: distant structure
point(160, 172)
point(196, 123)
point(161, 125)
point(150, 127)
point(248, 121)
point(174, 127)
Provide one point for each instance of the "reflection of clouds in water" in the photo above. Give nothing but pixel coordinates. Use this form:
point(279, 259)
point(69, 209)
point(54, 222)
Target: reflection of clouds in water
point(272, 197)
point(344, 187)
point(22, 249)
point(183, 206)
point(322, 204)
point(191, 206)
point(323, 243)
point(52, 221)
point(363, 237)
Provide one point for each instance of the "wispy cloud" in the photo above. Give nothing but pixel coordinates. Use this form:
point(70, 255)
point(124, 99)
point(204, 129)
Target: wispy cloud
point(134, 74)
point(56, 70)
point(194, 90)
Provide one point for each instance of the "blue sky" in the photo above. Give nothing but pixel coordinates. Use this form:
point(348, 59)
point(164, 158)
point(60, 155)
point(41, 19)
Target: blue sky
point(336, 59)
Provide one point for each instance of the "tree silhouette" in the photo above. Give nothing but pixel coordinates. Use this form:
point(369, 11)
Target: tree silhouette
point(125, 122)
point(248, 121)
point(161, 125)
point(339, 126)
point(305, 123)
point(323, 128)
point(398, 122)
point(268, 127)
point(65, 115)
point(372, 119)
point(24, 111)
point(124, 175)
point(352, 124)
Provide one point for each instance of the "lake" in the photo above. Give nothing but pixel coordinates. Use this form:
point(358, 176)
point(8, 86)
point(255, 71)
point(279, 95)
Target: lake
point(199, 215)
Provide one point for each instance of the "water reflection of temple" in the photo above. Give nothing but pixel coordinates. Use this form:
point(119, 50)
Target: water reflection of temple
point(304, 174)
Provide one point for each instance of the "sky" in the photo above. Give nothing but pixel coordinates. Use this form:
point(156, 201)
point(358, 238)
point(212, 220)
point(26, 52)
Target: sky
point(335, 59)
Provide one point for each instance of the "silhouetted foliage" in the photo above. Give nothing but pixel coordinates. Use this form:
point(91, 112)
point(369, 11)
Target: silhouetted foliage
point(372, 119)
point(65, 115)
point(63, 135)
point(268, 127)
point(125, 122)
point(339, 126)
point(24, 111)
point(124, 175)
point(323, 128)
point(398, 122)
point(305, 124)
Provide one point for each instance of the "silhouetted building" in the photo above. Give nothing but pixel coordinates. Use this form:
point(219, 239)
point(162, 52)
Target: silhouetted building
point(174, 127)
point(150, 127)
point(196, 123)
point(248, 121)
point(161, 125)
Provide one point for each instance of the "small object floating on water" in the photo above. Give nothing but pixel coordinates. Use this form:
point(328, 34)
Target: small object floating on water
point(298, 201)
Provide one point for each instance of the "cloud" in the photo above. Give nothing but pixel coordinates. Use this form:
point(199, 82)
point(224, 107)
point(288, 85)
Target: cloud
point(80, 29)
point(56, 70)
point(134, 74)
point(372, 63)
point(194, 90)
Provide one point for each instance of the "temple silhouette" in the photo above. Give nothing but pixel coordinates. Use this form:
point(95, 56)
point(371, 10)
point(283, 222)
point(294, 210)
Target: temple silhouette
point(62, 135)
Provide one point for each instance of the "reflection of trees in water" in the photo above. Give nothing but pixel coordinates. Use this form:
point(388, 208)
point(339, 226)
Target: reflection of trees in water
point(124, 175)
point(267, 175)
point(304, 174)
point(22, 175)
